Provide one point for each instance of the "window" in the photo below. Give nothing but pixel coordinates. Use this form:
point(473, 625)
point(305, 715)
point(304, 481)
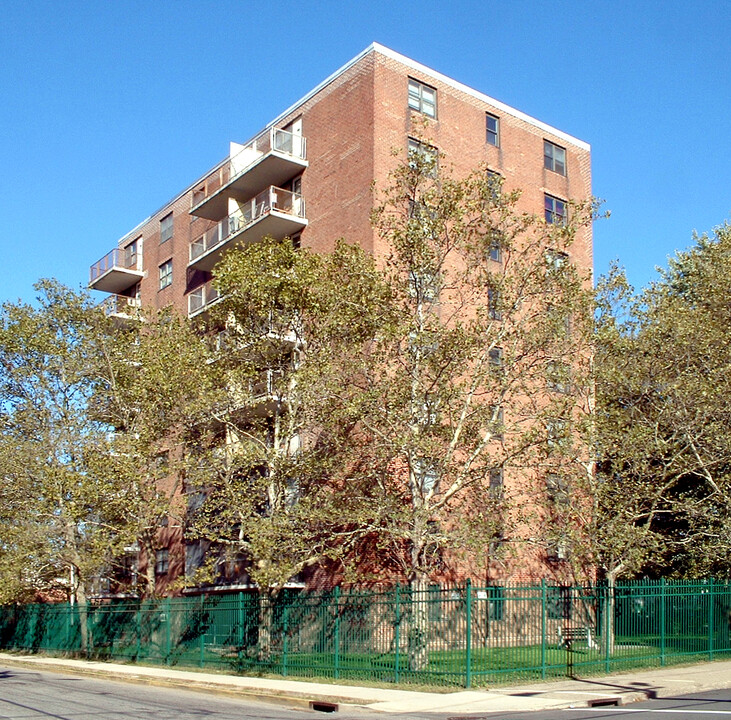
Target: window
point(492, 125)
point(495, 248)
point(497, 423)
point(496, 599)
point(424, 285)
point(556, 259)
point(558, 602)
point(130, 254)
point(555, 433)
point(166, 274)
point(422, 98)
point(554, 158)
point(555, 210)
point(558, 376)
point(162, 561)
point(166, 228)
point(423, 157)
point(557, 489)
point(496, 482)
point(426, 474)
point(494, 184)
point(493, 304)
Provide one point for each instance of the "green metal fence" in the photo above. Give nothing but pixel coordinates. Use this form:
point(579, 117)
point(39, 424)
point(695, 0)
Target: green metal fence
point(463, 635)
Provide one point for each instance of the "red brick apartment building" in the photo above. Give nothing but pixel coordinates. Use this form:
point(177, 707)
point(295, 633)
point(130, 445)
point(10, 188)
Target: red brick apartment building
point(309, 174)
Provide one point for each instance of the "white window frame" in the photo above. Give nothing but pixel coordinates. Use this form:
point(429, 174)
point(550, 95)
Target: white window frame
point(423, 98)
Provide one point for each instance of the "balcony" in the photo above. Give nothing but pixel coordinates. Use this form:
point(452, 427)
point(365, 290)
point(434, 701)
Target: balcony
point(271, 158)
point(261, 396)
point(274, 212)
point(121, 307)
point(202, 298)
point(118, 270)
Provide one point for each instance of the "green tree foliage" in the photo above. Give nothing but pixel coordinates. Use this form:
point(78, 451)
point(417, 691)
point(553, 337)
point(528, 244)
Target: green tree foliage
point(479, 370)
point(263, 475)
point(64, 509)
point(663, 485)
point(156, 379)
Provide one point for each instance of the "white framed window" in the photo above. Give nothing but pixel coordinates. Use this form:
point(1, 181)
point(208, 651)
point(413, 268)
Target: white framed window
point(492, 128)
point(554, 157)
point(422, 98)
point(555, 210)
point(162, 561)
point(494, 309)
point(496, 482)
point(426, 474)
point(166, 274)
point(131, 254)
point(422, 155)
point(166, 228)
point(497, 423)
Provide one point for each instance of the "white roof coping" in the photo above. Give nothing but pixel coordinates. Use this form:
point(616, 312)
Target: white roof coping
point(423, 69)
point(417, 68)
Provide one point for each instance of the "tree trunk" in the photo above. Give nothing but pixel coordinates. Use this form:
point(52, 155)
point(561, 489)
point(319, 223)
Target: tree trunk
point(419, 625)
point(266, 611)
point(609, 610)
point(81, 604)
point(148, 544)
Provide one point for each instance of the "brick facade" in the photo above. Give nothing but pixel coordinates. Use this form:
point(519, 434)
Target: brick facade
point(352, 124)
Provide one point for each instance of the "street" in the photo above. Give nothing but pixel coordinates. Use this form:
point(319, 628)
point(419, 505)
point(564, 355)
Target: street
point(28, 695)
point(699, 706)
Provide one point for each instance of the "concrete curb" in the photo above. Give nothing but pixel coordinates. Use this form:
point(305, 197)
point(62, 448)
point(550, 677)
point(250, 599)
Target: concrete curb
point(553, 695)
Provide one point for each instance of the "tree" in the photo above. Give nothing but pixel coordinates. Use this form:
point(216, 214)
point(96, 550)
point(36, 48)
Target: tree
point(478, 369)
point(263, 470)
point(65, 510)
point(155, 379)
point(663, 485)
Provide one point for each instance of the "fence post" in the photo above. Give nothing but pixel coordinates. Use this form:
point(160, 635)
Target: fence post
point(662, 620)
point(240, 626)
point(468, 634)
point(285, 633)
point(543, 628)
point(168, 630)
point(336, 634)
point(138, 631)
point(608, 606)
point(710, 619)
point(397, 630)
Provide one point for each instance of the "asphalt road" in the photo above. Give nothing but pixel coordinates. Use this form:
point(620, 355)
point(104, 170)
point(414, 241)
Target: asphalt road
point(30, 695)
point(711, 705)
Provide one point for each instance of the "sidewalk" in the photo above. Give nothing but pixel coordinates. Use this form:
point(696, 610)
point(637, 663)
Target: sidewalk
point(612, 689)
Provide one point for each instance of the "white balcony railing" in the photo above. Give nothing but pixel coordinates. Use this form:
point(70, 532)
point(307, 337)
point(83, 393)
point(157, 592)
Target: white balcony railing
point(121, 306)
point(117, 259)
point(273, 199)
point(272, 140)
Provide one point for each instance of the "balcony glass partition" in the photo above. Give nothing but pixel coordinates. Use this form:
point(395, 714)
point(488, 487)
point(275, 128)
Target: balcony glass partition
point(119, 258)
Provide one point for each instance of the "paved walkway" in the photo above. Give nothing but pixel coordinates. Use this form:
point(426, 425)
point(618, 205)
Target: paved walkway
point(617, 689)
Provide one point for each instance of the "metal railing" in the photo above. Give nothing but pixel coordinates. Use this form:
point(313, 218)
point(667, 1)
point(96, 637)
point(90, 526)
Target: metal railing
point(121, 305)
point(273, 139)
point(117, 258)
point(461, 635)
point(271, 199)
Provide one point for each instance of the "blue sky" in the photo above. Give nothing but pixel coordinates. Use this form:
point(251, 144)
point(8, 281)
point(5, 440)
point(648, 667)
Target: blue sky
point(108, 109)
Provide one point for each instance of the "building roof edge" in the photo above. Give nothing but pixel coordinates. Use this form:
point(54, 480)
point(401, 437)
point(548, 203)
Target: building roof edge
point(418, 67)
